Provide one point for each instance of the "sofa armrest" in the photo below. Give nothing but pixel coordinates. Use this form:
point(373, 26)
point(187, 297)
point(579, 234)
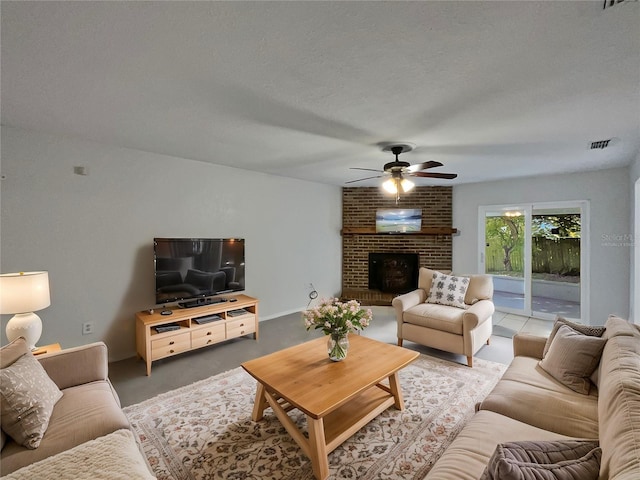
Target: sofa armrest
point(477, 314)
point(527, 345)
point(78, 365)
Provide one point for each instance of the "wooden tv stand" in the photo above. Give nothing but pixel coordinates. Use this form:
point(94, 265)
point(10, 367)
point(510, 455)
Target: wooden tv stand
point(152, 345)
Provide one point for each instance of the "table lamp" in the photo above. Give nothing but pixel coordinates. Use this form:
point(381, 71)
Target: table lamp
point(24, 293)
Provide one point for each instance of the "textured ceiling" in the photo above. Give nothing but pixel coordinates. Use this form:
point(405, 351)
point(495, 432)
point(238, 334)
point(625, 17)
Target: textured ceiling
point(309, 89)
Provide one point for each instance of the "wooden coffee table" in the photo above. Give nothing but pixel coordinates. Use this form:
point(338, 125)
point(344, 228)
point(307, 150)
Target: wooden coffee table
point(338, 398)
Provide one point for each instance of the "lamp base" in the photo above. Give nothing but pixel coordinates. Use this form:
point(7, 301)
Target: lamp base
point(27, 325)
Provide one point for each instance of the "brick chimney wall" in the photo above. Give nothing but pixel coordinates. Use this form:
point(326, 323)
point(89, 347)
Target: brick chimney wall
point(359, 207)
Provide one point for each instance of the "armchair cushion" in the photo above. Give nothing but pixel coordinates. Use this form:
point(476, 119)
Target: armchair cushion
point(480, 288)
point(435, 316)
point(448, 290)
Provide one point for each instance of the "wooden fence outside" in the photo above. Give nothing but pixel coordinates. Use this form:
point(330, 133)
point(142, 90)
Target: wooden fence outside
point(549, 256)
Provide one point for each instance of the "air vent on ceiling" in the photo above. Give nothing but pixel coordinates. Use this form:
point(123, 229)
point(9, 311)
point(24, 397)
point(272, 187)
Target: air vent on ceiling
point(600, 144)
point(611, 3)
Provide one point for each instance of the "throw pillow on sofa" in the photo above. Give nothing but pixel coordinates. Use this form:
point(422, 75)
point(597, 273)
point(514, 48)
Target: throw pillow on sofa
point(572, 358)
point(448, 290)
point(552, 460)
point(578, 327)
point(27, 397)
point(12, 352)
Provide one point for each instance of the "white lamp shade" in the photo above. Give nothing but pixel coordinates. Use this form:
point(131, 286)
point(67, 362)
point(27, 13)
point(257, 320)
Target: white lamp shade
point(24, 292)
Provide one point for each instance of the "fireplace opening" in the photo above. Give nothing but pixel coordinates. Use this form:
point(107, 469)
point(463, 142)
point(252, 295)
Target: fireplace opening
point(393, 272)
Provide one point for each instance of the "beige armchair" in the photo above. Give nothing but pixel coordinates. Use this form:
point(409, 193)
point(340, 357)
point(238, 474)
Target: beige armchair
point(457, 330)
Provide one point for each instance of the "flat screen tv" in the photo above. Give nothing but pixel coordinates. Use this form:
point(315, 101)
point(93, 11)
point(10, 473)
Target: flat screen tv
point(190, 270)
point(398, 220)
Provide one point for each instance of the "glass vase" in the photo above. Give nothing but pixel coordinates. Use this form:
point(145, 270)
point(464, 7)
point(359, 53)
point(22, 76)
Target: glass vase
point(337, 347)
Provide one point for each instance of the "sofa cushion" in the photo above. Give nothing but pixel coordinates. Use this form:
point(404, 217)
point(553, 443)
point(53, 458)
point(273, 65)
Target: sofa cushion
point(448, 290)
point(578, 327)
point(115, 456)
point(439, 317)
point(200, 279)
point(8, 355)
point(83, 413)
point(572, 358)
point(616, 326)
point(27, 398)
point(542, 401)
point(556, 460)
point(12, 352)
point(167, 279)
point(619, 407)
point(468, 455)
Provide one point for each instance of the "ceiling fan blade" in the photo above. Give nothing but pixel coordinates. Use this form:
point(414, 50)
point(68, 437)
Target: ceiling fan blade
point(448, 176)
point(422, 166)
point(367, 169)
point(368, 178)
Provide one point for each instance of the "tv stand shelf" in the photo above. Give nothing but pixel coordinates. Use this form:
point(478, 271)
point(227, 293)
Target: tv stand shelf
point(152, 345)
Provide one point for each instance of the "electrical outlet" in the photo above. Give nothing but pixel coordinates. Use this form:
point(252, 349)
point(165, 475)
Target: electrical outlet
point(87, 328)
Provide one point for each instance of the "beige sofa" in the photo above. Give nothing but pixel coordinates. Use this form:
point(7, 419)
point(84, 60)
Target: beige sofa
point(528, 404)
point(88, 415)
point(452, 329)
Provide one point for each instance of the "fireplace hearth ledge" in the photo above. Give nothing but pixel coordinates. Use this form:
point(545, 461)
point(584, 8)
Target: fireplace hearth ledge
point(369, 297)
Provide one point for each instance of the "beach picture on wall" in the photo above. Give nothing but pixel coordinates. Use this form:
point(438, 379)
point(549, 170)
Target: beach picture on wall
point(398, 220)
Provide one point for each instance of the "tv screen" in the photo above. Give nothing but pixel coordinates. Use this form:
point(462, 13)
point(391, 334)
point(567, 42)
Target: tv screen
point(197, 268)
point(398, 220)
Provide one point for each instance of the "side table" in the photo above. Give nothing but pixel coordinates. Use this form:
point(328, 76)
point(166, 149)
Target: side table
point(54, 347)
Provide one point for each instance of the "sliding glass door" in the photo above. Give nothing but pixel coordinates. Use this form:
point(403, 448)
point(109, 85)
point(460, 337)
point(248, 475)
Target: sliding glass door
point(556, 262)
point(536, 254)
point(504, 256)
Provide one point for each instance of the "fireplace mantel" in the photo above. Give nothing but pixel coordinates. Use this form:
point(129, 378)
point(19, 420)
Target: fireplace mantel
point(424, 231)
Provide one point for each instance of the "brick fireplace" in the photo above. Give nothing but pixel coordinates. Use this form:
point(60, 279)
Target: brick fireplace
point(432, 245)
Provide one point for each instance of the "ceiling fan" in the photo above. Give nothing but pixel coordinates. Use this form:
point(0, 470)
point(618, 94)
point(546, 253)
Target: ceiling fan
point(399, 170)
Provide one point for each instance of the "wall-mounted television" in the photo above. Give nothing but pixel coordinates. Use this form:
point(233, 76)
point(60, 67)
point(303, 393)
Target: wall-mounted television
point(191, 270)
point(398, 220)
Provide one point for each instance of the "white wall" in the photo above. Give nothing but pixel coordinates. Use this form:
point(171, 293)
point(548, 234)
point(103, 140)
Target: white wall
point(608, 194)
point(94, 233)
point(634, 187)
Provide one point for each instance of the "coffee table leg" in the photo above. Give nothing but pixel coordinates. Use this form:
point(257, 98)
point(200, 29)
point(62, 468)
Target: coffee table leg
point(318, 445)
point(394, 385)
point(260, 403)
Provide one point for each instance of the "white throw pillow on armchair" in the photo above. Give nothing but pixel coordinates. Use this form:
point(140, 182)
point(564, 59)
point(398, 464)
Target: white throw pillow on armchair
point(448, 290)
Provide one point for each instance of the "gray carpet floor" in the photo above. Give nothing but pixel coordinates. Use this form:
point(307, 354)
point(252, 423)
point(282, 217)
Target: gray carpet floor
point(133, 386)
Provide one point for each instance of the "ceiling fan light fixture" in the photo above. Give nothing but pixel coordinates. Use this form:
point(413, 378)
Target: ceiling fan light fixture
point(398, 171)
point(407, 185)
point(390, 185)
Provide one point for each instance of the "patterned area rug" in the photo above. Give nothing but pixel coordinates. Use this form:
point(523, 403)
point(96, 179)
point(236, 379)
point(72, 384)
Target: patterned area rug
point(204, 431)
